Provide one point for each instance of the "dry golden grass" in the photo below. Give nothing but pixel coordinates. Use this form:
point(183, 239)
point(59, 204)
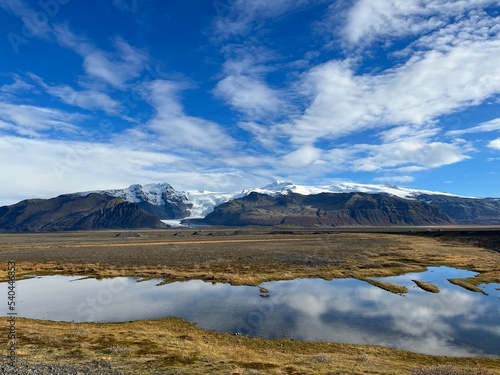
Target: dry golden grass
point(464, 283)
point(390, 287)
point(428, 287)
point(171, 346)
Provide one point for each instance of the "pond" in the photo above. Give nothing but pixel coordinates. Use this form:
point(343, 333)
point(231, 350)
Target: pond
point(453, 322)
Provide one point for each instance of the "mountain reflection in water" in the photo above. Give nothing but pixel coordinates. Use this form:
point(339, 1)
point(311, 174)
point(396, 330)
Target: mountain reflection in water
point(453, 322)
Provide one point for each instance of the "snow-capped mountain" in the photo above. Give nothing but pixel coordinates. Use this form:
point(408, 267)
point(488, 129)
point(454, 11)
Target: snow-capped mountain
point(156, 194)
point(284, 187)
point(199, 203)
point(145, 206)
point(161, 200)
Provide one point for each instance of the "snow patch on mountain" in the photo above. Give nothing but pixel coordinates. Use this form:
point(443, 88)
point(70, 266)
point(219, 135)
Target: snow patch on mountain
point(156, 194)
point(285, 187)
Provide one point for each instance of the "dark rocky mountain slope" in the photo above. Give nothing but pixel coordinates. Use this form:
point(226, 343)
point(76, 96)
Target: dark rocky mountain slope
point(142, 206)
point(485, 211)
point(326, 209)
point(75, 212)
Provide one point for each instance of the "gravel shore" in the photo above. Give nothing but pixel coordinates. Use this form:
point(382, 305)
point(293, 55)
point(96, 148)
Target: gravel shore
point(23, 367)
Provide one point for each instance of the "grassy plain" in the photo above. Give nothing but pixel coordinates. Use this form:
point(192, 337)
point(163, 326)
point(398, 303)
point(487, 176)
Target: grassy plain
point(172, 346)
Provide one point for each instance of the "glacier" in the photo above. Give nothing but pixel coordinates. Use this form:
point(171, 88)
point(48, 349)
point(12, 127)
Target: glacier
point(203, 201)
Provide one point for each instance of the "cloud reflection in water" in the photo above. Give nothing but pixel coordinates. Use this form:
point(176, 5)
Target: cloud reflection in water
point(454, 322)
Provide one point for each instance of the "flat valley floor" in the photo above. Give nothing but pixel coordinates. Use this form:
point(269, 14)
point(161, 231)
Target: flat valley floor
point(239, 256)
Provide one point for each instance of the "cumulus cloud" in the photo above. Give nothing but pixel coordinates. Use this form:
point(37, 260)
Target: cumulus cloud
point(303, 157)
point(495, 144)
point(416, 93)
point(408, 152)
point(64, 166)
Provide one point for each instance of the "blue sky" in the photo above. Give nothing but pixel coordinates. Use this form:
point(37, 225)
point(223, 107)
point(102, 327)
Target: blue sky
point(229, 94)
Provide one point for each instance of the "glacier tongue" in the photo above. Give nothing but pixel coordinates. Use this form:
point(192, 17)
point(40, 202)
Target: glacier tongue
point(204, 201)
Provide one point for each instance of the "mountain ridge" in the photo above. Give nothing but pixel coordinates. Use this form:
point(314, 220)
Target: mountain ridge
point(203, 202)
point(326, 209)
point(75, 212)
point(140, 206)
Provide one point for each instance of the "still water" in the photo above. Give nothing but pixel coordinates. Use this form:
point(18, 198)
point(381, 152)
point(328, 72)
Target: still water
point(454, 322)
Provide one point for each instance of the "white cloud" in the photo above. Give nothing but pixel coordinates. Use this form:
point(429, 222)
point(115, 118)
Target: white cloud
point(451, 65)
point(394, 179)
point(495, 144)
point(19, 85)
point(32, 121)
point(244, 85)
point(262, 134)
point(36, 22)
point(410, 153)
point(239, 17)
point(116, 69)
point(415, 94)
point(490, 126)
point(249, 95)
point(411, 169)
point(303, 157)
point(178, 130)
point(86, 99)
point(473, 27)
point(60, 167)
point(369, 20)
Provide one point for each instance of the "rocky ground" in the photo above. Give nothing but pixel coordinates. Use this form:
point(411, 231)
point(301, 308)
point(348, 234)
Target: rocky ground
point(23, 367)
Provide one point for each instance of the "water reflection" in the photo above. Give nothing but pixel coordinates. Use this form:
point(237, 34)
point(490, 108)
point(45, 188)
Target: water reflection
point(454, 322)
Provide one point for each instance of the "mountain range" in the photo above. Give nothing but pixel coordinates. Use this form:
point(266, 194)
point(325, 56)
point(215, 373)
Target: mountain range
point(326, 209)
point(279, 203)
